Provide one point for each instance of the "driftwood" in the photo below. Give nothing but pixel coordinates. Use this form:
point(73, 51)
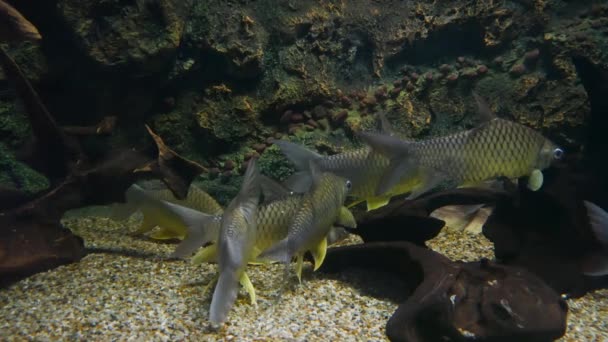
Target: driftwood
point(14, 27)
point(32, 238)
point(456, 301)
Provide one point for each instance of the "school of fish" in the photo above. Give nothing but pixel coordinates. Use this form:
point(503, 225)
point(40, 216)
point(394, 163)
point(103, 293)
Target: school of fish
point(272, 222)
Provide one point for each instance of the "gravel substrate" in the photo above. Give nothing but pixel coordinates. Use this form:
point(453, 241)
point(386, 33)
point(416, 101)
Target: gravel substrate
point(126, 290)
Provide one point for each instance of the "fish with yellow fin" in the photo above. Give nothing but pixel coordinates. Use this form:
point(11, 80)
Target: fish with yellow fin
point(150, 201)
point(274, 218)
point(236, 240)
point(319, 208)
point(364, 167)
point(494, 149)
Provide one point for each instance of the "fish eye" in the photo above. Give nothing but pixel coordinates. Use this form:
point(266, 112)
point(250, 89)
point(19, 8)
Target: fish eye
point(348, 185)
point(558, 153)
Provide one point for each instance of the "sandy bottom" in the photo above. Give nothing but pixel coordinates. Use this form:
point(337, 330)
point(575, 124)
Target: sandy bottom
point(125, 289)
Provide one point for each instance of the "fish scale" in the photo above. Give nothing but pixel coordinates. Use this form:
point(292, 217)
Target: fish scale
point(274, 219)
point(497, 148)
point(364, 167)
point(196, 199)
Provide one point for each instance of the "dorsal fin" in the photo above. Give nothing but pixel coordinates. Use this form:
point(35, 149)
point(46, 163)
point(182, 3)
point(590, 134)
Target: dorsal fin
point(483, 109)
point(385, 125)
point(315, 173)
point(273, 190)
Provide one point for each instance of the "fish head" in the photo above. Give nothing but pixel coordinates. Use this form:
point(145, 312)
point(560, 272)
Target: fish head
point(332, 188)
point(548, 155)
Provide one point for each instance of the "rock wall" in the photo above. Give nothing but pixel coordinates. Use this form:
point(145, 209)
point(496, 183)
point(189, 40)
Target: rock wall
point(219, 79)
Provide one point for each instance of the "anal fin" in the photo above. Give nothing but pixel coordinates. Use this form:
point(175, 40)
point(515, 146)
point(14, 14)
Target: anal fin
point(299, 262)
point(318, 254)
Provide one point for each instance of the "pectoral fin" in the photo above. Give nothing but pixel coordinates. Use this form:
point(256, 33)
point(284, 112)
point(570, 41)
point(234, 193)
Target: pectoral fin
point(377, 202)
point(535, 181)
point(346, 218)
point(205, 254)
point(318, 254)
point(248, 286)
point(430, 181)
point(166, 234)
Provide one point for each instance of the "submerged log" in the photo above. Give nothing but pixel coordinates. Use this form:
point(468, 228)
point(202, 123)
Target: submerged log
point(458, 301)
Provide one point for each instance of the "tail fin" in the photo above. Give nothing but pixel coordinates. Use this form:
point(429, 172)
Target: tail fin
point(202, 228)
point(133, 196)
point(224, 297)
point(301, 157)
point(122, 211)
point(401, 159)
point(483, 108)
point(598, 219)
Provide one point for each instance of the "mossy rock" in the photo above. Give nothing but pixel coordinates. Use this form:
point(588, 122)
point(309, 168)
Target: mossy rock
point(14, 126)
point(18, 175)
point(143, 35)
point(228, 119)
point(274, 164)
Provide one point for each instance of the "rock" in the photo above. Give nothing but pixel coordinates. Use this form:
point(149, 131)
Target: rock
point(339, 117)
point(115, 35)
point(28, 247)
point(458, 301)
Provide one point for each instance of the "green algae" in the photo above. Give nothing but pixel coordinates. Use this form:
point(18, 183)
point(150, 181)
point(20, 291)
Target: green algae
point(16, 174)
point(14, 126)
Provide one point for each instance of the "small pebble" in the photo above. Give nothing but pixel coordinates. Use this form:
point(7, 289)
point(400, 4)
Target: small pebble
point(259, 148)
point(395, 92)
point(518, 70)
point(531, 56)
point(482, 69)
point(312, 123)
point(339, 117)
point(228, 165)
point(445, 68)
point(297, 117)
point(452, 78)
point(214, 172)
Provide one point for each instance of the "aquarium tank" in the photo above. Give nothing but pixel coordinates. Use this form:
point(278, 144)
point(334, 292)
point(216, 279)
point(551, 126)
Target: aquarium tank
point(303, 170)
